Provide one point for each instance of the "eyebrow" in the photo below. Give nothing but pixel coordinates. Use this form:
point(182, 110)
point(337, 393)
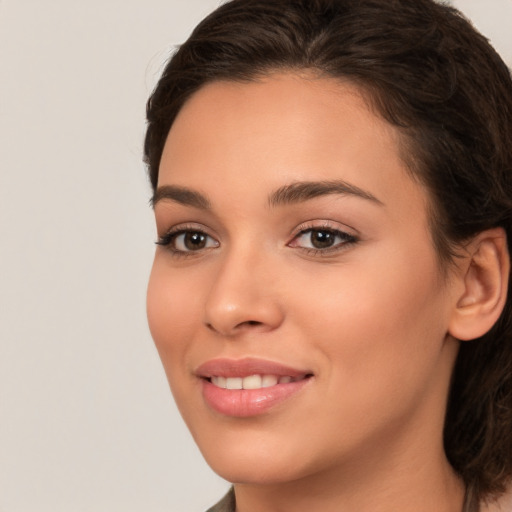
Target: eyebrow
point(288, 194)
point(305, 190)
point(182, 195)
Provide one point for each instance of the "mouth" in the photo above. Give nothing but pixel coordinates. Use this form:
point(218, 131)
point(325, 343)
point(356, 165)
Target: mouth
point(249, 387)
point(253, 381)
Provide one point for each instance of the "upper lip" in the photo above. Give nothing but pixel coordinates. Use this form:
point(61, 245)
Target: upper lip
point(245, 367)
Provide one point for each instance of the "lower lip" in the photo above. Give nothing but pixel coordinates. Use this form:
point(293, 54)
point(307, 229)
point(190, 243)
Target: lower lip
point(243, 403)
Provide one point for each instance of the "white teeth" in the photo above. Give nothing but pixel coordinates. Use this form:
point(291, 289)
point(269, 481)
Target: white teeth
point(221, 382)
point(251, 381)
point(234, 383)
point(268, 381)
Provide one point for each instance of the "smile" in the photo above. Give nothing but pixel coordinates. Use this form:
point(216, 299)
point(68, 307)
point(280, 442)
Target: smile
point(252, 381)
point(249, 387)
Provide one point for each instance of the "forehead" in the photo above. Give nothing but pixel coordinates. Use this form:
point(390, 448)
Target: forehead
point(283, 128)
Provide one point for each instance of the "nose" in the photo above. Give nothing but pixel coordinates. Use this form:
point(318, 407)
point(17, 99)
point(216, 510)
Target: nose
point(243, 297)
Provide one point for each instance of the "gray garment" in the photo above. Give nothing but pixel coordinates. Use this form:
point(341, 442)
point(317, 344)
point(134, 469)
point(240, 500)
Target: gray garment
point(504, 504)
point(226, 504)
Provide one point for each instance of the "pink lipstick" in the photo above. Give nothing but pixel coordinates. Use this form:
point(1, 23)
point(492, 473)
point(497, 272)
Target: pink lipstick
point(248, 387)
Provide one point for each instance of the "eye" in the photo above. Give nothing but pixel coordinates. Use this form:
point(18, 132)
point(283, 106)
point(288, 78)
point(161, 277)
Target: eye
point(322, 239)
point(187, 240)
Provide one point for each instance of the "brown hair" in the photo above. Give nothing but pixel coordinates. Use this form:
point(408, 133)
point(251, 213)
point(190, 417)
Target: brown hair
point(432, 75)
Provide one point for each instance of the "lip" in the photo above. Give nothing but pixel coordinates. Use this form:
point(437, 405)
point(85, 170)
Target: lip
point(244, 403)
point(245, 367)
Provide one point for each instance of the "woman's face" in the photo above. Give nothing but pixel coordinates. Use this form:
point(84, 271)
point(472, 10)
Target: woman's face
point(295, 262)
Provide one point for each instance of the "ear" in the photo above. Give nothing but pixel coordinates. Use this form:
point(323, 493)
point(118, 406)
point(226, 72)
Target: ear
point(485, 273)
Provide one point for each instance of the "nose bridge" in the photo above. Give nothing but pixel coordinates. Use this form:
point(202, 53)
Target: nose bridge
point(242, 295)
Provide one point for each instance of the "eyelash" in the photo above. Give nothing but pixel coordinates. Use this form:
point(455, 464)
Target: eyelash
point(346, 239)
point(168, 240)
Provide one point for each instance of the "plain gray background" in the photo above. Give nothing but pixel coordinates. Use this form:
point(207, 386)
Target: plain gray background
point(86, 419)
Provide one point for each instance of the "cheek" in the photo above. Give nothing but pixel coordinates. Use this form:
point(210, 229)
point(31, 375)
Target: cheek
point(170, 308)
point(173, 317)
point(378, 322)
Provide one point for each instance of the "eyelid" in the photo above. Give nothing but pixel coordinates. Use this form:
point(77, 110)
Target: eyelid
point(166, 239)
point(328, 225)
point(340, 230)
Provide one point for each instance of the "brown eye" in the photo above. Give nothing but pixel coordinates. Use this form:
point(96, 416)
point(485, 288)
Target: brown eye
point(193, 241)
point(187, 241)
point(190, 241)
point(322, 239)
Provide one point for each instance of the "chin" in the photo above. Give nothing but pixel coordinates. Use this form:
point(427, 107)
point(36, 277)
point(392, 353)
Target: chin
point(255, 472)
point(253, 461)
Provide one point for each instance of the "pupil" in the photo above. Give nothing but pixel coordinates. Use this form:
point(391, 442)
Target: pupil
point(195, 241)
point(322, 239)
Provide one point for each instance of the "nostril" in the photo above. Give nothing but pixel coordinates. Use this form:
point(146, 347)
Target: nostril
point(248, 324)
point(210, 326)
point(238, 328)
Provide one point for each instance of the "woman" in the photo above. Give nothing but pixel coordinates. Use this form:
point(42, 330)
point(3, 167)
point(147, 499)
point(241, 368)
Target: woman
point(329, 296)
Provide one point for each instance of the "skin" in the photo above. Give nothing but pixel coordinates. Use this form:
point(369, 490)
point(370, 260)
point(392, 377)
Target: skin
point(369, 318)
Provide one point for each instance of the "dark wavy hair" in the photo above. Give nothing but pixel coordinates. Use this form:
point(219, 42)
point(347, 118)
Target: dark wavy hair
point(428, 72)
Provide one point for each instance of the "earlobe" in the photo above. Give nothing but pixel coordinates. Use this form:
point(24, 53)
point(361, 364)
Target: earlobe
point(485, 284)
